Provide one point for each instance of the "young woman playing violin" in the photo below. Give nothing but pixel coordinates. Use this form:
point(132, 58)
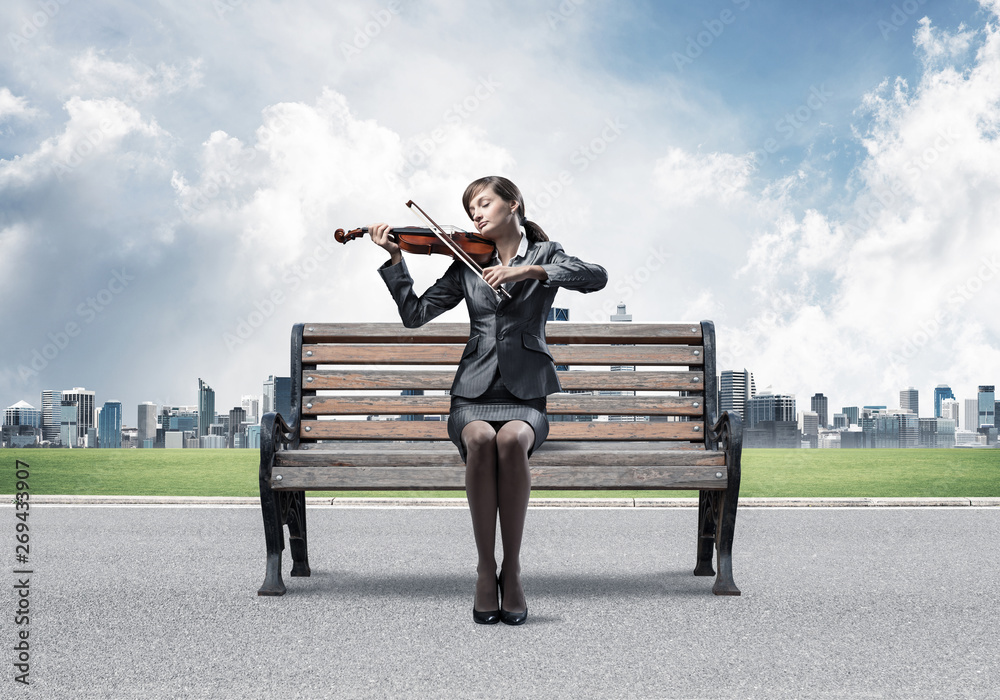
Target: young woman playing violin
point(497, 416)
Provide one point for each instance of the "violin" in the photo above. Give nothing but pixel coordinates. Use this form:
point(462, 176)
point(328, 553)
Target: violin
point(424, 241)
point(471, 248)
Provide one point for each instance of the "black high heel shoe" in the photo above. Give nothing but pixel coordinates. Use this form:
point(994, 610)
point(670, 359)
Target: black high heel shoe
point(490, 617)
point(507, 617)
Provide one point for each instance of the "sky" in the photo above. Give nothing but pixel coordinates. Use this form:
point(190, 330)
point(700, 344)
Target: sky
point(818, 179)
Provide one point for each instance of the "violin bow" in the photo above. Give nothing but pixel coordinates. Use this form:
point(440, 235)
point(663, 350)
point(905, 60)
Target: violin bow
point(454, 248)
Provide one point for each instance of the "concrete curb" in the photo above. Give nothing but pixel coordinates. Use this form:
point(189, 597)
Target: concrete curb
point(860, 502)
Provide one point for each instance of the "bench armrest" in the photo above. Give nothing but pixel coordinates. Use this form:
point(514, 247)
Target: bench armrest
point(727, 432)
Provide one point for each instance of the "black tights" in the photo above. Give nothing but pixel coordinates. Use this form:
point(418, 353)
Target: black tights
point(497, 480)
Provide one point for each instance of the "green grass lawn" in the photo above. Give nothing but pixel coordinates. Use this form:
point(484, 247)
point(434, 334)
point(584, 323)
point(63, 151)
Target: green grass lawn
point(793, 473)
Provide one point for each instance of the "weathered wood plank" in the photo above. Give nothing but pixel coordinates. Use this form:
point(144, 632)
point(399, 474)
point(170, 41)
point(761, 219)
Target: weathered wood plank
point(438, 430)
point(344, 379)
point(434, 478)
point(557, 404)
point(556, 332)
point(396, 454)
point(354, 447)
point(436, 354)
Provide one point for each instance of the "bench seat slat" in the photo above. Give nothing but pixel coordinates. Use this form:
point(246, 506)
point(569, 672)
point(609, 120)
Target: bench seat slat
point(576, 333)
point(395, 454)
point(436, 354)
point(558, 430)
point(370, 379)
point(453, 477)
point(557, 404)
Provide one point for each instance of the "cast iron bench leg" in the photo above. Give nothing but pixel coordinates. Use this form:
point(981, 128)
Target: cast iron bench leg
point(706, 533)
point(726, 523)
point(274, 537)
point(297, 533)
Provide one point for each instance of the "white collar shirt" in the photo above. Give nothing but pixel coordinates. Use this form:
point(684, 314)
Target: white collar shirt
point(522, 250)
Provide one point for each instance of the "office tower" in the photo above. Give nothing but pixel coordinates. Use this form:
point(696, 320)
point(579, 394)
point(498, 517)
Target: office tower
point(941, 392)
point(840, 421)
point(768, 406)
point(909, 401)
point(206, 407)
point(85, 406)
point(69, 433)
point(852, 414)
point(951, 409)
point(735, 389)
point(278, 396)
point(809, 427)
point(147, 423)
point(970, 416)
point(109, 425)
point(560, 314)
point(236, 417)
point(622, 317)
point(987, 406)
point(23, 413)
point(996, 414)
point(818, 404)
point(251, 407)
point(51, 414)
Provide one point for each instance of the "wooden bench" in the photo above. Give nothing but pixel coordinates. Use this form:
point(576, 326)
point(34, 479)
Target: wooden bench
point(329, 444)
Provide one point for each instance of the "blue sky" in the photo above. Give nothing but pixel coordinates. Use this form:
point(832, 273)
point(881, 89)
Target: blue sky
point(835, 162)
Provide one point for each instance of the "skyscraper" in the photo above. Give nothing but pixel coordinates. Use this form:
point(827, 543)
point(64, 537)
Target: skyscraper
point(818, 404)
point(852, 413)
point(109, 428)
point(987, 406)
point(69, 433)
point(768, 406)
point(236, 417)
point(206, 407)
point(278, 396)
point(951, 409)
point(147, 422)
point(23, 413)
point(735, 389)
point(941, 392)
point(51, 414)
point(970, 416)
point(909, 401)
point(85, 409)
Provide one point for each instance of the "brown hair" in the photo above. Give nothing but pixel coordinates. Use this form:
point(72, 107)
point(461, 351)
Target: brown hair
point(508, 192)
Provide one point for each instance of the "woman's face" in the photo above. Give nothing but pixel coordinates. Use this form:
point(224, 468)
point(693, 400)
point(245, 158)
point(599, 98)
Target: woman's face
point(491, 214)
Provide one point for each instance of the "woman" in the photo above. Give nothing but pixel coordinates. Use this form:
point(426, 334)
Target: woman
point(497, 416)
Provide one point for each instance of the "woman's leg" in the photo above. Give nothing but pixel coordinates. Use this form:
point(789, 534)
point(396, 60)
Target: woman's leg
point(480, 441)
point(513, 440)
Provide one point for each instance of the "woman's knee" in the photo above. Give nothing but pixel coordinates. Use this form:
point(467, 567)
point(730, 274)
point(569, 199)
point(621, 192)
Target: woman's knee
point(479, 435)
point(515, 435)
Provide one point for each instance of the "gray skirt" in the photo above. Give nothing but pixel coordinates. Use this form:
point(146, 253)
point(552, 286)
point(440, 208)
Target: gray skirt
point(496, 406)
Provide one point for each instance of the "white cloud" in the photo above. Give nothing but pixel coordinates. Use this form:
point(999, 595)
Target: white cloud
point(689, 178)
point(14, 107)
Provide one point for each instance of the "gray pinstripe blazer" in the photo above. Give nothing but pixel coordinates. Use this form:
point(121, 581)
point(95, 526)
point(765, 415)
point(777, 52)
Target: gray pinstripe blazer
point(510, 333)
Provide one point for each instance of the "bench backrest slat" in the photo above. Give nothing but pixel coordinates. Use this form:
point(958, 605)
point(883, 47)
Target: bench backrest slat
point(336, 367)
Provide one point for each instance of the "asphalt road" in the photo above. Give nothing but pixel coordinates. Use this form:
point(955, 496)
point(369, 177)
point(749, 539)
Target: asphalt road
point(160, 602)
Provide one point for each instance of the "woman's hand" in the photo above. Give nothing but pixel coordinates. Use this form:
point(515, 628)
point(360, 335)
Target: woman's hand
point(379, 233)
point(500, 274)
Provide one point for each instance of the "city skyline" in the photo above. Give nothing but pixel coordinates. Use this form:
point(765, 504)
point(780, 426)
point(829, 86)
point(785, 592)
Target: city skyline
point(786, 191)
